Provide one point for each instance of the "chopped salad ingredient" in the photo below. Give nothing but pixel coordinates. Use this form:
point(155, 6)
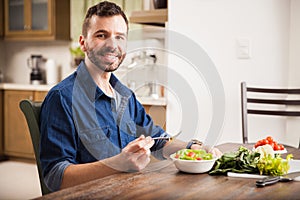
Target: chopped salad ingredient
point(193, 154)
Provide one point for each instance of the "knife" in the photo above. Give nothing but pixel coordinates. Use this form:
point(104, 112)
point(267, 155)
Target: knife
point(295, 176)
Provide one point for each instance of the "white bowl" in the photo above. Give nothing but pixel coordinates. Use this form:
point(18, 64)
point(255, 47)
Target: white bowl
point(193, 166)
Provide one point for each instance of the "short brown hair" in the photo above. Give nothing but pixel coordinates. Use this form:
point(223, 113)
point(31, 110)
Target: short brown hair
point(102, 9)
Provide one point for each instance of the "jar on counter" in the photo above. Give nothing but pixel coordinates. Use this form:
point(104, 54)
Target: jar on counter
point(1, 77)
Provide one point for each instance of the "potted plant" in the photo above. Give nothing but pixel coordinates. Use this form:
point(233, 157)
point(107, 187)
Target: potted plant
point(77, 54)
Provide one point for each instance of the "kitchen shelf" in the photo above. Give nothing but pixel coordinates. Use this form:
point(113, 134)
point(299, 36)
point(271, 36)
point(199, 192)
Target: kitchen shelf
point(157, 17)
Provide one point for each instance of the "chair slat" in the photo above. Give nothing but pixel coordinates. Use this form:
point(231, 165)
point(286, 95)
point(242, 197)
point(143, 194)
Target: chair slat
point(274, 101)
point(271, 90)
point(274, 112)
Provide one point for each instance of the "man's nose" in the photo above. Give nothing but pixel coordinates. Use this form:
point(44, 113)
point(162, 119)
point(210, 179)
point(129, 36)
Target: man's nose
point(111, 42)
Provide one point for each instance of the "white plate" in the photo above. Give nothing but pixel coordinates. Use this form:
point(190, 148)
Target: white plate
point(294, 166)
point(281, 151)
point(276, 152)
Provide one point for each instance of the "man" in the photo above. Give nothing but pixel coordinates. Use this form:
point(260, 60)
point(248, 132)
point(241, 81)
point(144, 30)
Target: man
point(92, 125)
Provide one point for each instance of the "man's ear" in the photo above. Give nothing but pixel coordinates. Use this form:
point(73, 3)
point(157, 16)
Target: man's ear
point(82, 43)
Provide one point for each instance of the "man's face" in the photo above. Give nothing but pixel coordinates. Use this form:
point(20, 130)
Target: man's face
point(105, 43)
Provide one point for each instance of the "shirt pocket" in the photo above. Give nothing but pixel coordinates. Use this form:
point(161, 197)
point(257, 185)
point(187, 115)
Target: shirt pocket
point(130, 128)
point(95, 135)
point(97, 142)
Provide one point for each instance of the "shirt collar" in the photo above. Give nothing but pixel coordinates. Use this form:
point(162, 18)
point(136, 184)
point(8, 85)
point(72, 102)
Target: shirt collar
point(91, 89)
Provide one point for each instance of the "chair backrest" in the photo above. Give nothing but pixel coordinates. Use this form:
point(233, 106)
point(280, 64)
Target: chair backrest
point(31, 110)
point(259, 98)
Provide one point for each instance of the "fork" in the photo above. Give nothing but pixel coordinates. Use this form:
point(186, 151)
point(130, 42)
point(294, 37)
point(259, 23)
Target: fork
point(167, 138)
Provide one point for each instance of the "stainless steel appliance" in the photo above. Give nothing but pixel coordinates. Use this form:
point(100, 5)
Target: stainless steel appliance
point(34, 63)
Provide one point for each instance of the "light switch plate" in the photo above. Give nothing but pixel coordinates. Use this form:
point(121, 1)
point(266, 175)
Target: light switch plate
point(243, 48)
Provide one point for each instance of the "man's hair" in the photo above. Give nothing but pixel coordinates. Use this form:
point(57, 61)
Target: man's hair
point(102, 9)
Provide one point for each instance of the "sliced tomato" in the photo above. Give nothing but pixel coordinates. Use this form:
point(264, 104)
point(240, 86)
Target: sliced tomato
point(191, 154)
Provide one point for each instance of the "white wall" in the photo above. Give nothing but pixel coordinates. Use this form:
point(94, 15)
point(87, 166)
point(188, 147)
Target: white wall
point(216, 25)
point(293, 124)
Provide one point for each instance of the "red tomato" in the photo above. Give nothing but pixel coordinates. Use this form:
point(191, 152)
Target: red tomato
point(270, 139)
point(276, 147)
point(177, 156)
point(281, 147)
point(265, 141)
point(259, 143)
point(199, 158)
point(191, 154)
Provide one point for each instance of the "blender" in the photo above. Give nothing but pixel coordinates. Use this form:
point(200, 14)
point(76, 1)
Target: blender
point(34, 63)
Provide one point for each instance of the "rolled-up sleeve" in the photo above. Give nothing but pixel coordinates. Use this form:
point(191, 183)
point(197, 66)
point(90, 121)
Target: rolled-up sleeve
point(54, 177)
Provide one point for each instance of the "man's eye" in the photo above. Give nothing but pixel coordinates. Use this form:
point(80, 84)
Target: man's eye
point(101, 36)
point(120, 37)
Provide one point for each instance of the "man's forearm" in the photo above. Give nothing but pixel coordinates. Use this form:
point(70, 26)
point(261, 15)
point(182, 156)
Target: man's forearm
point(81, 173)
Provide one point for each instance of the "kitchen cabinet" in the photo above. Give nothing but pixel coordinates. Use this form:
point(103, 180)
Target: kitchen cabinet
point(157, 113)
point(37, 20)
point(1, 18)
point(156, 17)
point(1, 126)
point(17, 140)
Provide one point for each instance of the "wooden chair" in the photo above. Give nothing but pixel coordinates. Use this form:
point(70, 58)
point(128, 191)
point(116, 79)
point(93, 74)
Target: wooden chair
point(31, 110)
point(257, 92)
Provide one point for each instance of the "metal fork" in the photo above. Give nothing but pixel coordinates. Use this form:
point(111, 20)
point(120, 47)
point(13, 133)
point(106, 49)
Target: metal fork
point(167, 138)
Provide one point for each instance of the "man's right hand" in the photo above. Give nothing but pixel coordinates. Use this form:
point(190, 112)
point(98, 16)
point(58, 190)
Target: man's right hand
point(134, 157)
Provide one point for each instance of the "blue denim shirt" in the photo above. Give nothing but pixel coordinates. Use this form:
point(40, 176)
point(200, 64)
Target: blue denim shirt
point(80, 124)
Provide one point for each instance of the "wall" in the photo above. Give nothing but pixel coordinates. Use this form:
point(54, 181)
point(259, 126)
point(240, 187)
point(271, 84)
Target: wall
point(216, 25)
point(16, 54)
point(293, 124)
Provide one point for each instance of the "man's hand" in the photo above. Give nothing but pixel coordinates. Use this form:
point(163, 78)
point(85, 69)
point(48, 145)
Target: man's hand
point(134, 157)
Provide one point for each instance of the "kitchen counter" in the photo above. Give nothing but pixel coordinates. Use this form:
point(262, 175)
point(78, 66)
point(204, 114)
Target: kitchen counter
point(152, 101)
point(17, 86)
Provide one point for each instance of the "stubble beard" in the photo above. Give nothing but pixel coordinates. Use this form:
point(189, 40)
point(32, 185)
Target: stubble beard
point(95, 58)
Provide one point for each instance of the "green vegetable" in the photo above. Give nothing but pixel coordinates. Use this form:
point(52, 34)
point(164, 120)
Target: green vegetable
point(193, 154)
point(77, 52)
point(246, 161)
point(241, 161)
point(274, 166)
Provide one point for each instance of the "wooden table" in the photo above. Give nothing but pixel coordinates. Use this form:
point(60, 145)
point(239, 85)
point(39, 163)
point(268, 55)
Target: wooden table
point(168, 183)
